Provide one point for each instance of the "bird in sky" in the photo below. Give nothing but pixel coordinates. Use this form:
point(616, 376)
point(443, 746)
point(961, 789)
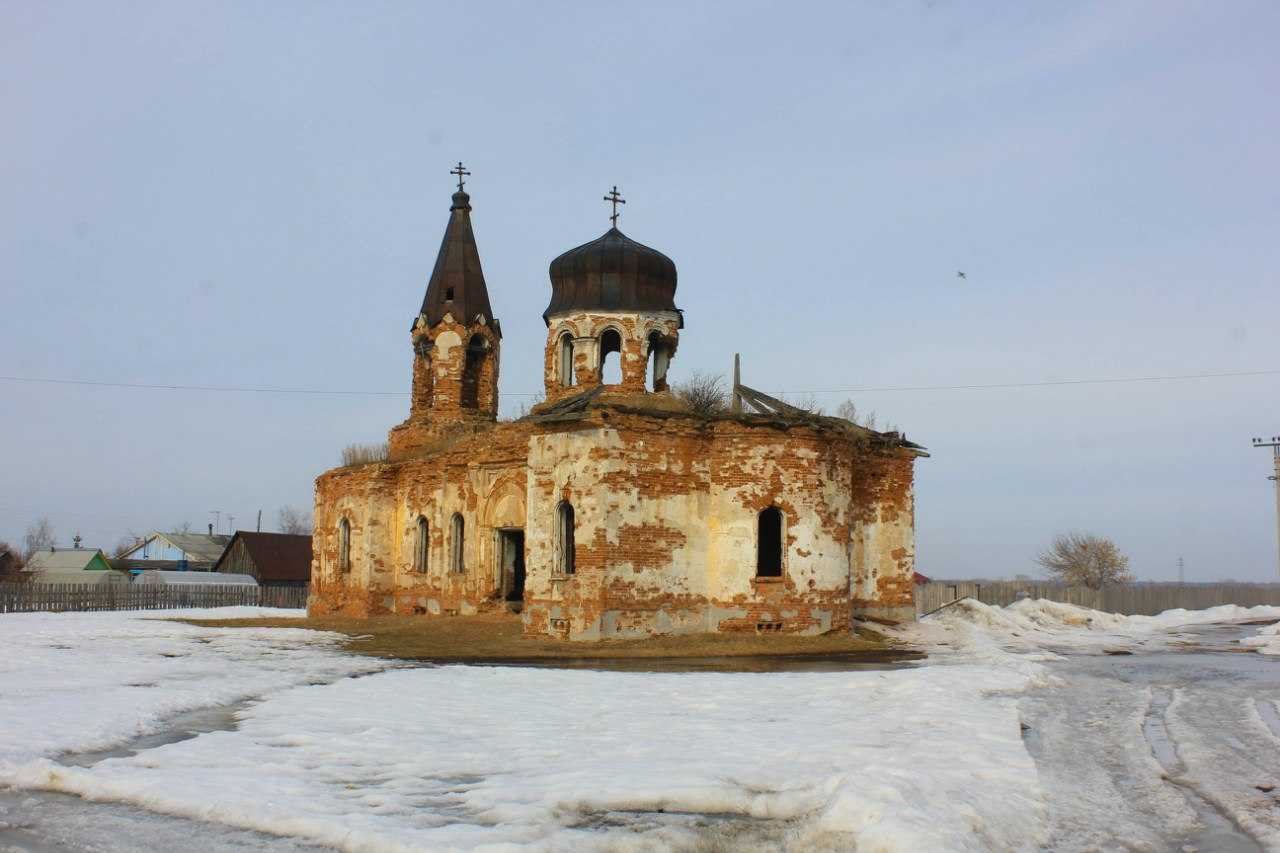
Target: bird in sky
point(960, 274)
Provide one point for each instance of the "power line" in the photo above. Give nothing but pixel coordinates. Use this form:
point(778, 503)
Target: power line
point(868, 389)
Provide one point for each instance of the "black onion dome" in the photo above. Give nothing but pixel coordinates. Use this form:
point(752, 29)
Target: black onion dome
point(612, 273)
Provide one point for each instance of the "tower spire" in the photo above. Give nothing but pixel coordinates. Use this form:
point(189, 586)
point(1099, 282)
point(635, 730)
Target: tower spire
point(457, 284)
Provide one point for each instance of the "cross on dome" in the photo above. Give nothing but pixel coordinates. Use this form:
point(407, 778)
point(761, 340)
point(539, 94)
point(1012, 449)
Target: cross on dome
point(615, 199)
point(460, 172)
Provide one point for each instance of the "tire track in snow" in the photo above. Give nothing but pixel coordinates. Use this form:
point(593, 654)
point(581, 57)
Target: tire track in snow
point(1221, 832)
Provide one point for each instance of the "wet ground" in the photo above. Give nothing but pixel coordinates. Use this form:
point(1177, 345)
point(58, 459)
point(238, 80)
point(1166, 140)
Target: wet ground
point(1161, 750)
point(1139, 752)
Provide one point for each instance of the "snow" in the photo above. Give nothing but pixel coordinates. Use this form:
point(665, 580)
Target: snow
point(461, 757)
point(1037, 624)
point(1266, 641)
point(82, 681)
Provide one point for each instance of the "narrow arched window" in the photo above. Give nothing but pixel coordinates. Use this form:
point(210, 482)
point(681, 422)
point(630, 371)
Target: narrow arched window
point(659, 358)
point(566, 360)
point(477, 350)
point(769, 543)
point(420, 544)
point(610, 369)
point(344, 545)
point(457, 530)
point(565, 548)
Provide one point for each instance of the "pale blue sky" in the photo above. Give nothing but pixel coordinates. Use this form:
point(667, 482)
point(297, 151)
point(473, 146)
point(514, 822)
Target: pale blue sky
point(252, 194)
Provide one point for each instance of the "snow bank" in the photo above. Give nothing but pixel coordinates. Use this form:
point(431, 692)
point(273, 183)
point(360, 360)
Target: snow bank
point(1266, 641)
point(87, 681)
point(1032, 624)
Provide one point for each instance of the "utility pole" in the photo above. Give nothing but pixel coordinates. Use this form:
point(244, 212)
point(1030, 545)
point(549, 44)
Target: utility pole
point(1274, 444)
point(259, 527)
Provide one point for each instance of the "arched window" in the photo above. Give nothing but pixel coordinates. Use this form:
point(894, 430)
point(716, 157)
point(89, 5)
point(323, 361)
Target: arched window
point(420, 544)
point(566, 360)
point(457, 530)
point(659, 358)
point(564, 539)
point(477, 349)
point(344, 545)
point(769, 543)
point(610, 369)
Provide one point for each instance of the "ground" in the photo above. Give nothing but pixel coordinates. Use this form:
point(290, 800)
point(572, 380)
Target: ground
point(497, 638)
point(1021, 732)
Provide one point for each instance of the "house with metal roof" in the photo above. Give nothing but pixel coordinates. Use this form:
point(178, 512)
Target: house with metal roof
point(63, 560)
point(176, 551)
point(274, 559)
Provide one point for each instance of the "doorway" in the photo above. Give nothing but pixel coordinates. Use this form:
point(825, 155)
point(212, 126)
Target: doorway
point(511, 565)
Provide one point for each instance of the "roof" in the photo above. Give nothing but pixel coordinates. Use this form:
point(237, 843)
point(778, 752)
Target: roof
point(612, 273)
point(195, 578)
point(457, 282)
point(66, 578)
point(199, 547)
point(277, 556)
point(63, 559)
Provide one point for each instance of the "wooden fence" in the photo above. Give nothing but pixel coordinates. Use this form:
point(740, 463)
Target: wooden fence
point(1148, 598)
point(56, 598)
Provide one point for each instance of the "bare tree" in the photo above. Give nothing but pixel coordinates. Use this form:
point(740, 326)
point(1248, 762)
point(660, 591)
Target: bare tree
point(290, 519)
point(849, 412)
point(1081, 559)
point(39, 536)
point(703, 393)
point(184, 527)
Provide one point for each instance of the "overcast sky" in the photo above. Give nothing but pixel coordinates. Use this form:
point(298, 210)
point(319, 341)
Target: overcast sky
point(250, 194)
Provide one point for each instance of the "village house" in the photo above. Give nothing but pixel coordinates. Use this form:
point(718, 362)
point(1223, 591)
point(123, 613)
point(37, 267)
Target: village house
point(272, 559)
point(613, 509)
point(177, 551)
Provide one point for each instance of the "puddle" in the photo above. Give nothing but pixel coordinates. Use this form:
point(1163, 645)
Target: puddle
point(1218, 832)
point(854, 661)
point(177, 728)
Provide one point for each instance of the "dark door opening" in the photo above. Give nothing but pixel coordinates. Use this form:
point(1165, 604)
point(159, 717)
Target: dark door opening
point(511, 555)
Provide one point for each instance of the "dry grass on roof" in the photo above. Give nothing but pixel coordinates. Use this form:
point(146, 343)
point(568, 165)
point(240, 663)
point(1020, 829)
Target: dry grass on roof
point(496, 638)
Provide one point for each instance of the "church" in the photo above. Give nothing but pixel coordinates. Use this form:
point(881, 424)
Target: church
point(613, 509)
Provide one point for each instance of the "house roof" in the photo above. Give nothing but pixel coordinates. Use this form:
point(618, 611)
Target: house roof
point(63, 559)
point(194, 579)
point(199, 547)
point(277, 556)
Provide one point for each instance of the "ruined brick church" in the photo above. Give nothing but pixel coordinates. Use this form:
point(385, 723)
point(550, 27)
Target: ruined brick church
point(613, 509)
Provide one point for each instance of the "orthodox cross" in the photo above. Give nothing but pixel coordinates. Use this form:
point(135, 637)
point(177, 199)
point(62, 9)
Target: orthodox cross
point(460, 172)
point(614, 199)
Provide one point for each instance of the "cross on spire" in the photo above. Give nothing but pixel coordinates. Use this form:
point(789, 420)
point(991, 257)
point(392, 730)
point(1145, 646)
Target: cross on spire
point(460, 172)
point(614, 199)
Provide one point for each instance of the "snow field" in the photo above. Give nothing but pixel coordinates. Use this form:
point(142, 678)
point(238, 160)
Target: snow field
point(84, 681)
point(477, 757)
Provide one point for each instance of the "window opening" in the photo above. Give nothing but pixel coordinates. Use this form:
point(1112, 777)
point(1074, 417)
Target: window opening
point(610, 368)
point(456, 532)
point(769, 543)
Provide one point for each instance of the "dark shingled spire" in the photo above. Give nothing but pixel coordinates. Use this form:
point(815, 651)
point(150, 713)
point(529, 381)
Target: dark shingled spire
point(457, 282)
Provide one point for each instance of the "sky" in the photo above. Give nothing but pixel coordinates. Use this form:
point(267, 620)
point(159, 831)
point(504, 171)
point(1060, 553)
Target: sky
point(252, 195)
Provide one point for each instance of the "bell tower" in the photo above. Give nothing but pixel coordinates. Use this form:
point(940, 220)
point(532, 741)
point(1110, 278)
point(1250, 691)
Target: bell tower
point(455, 339)
point(612, 321)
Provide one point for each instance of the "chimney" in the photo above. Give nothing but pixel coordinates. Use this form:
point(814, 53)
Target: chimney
point(210, 529)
